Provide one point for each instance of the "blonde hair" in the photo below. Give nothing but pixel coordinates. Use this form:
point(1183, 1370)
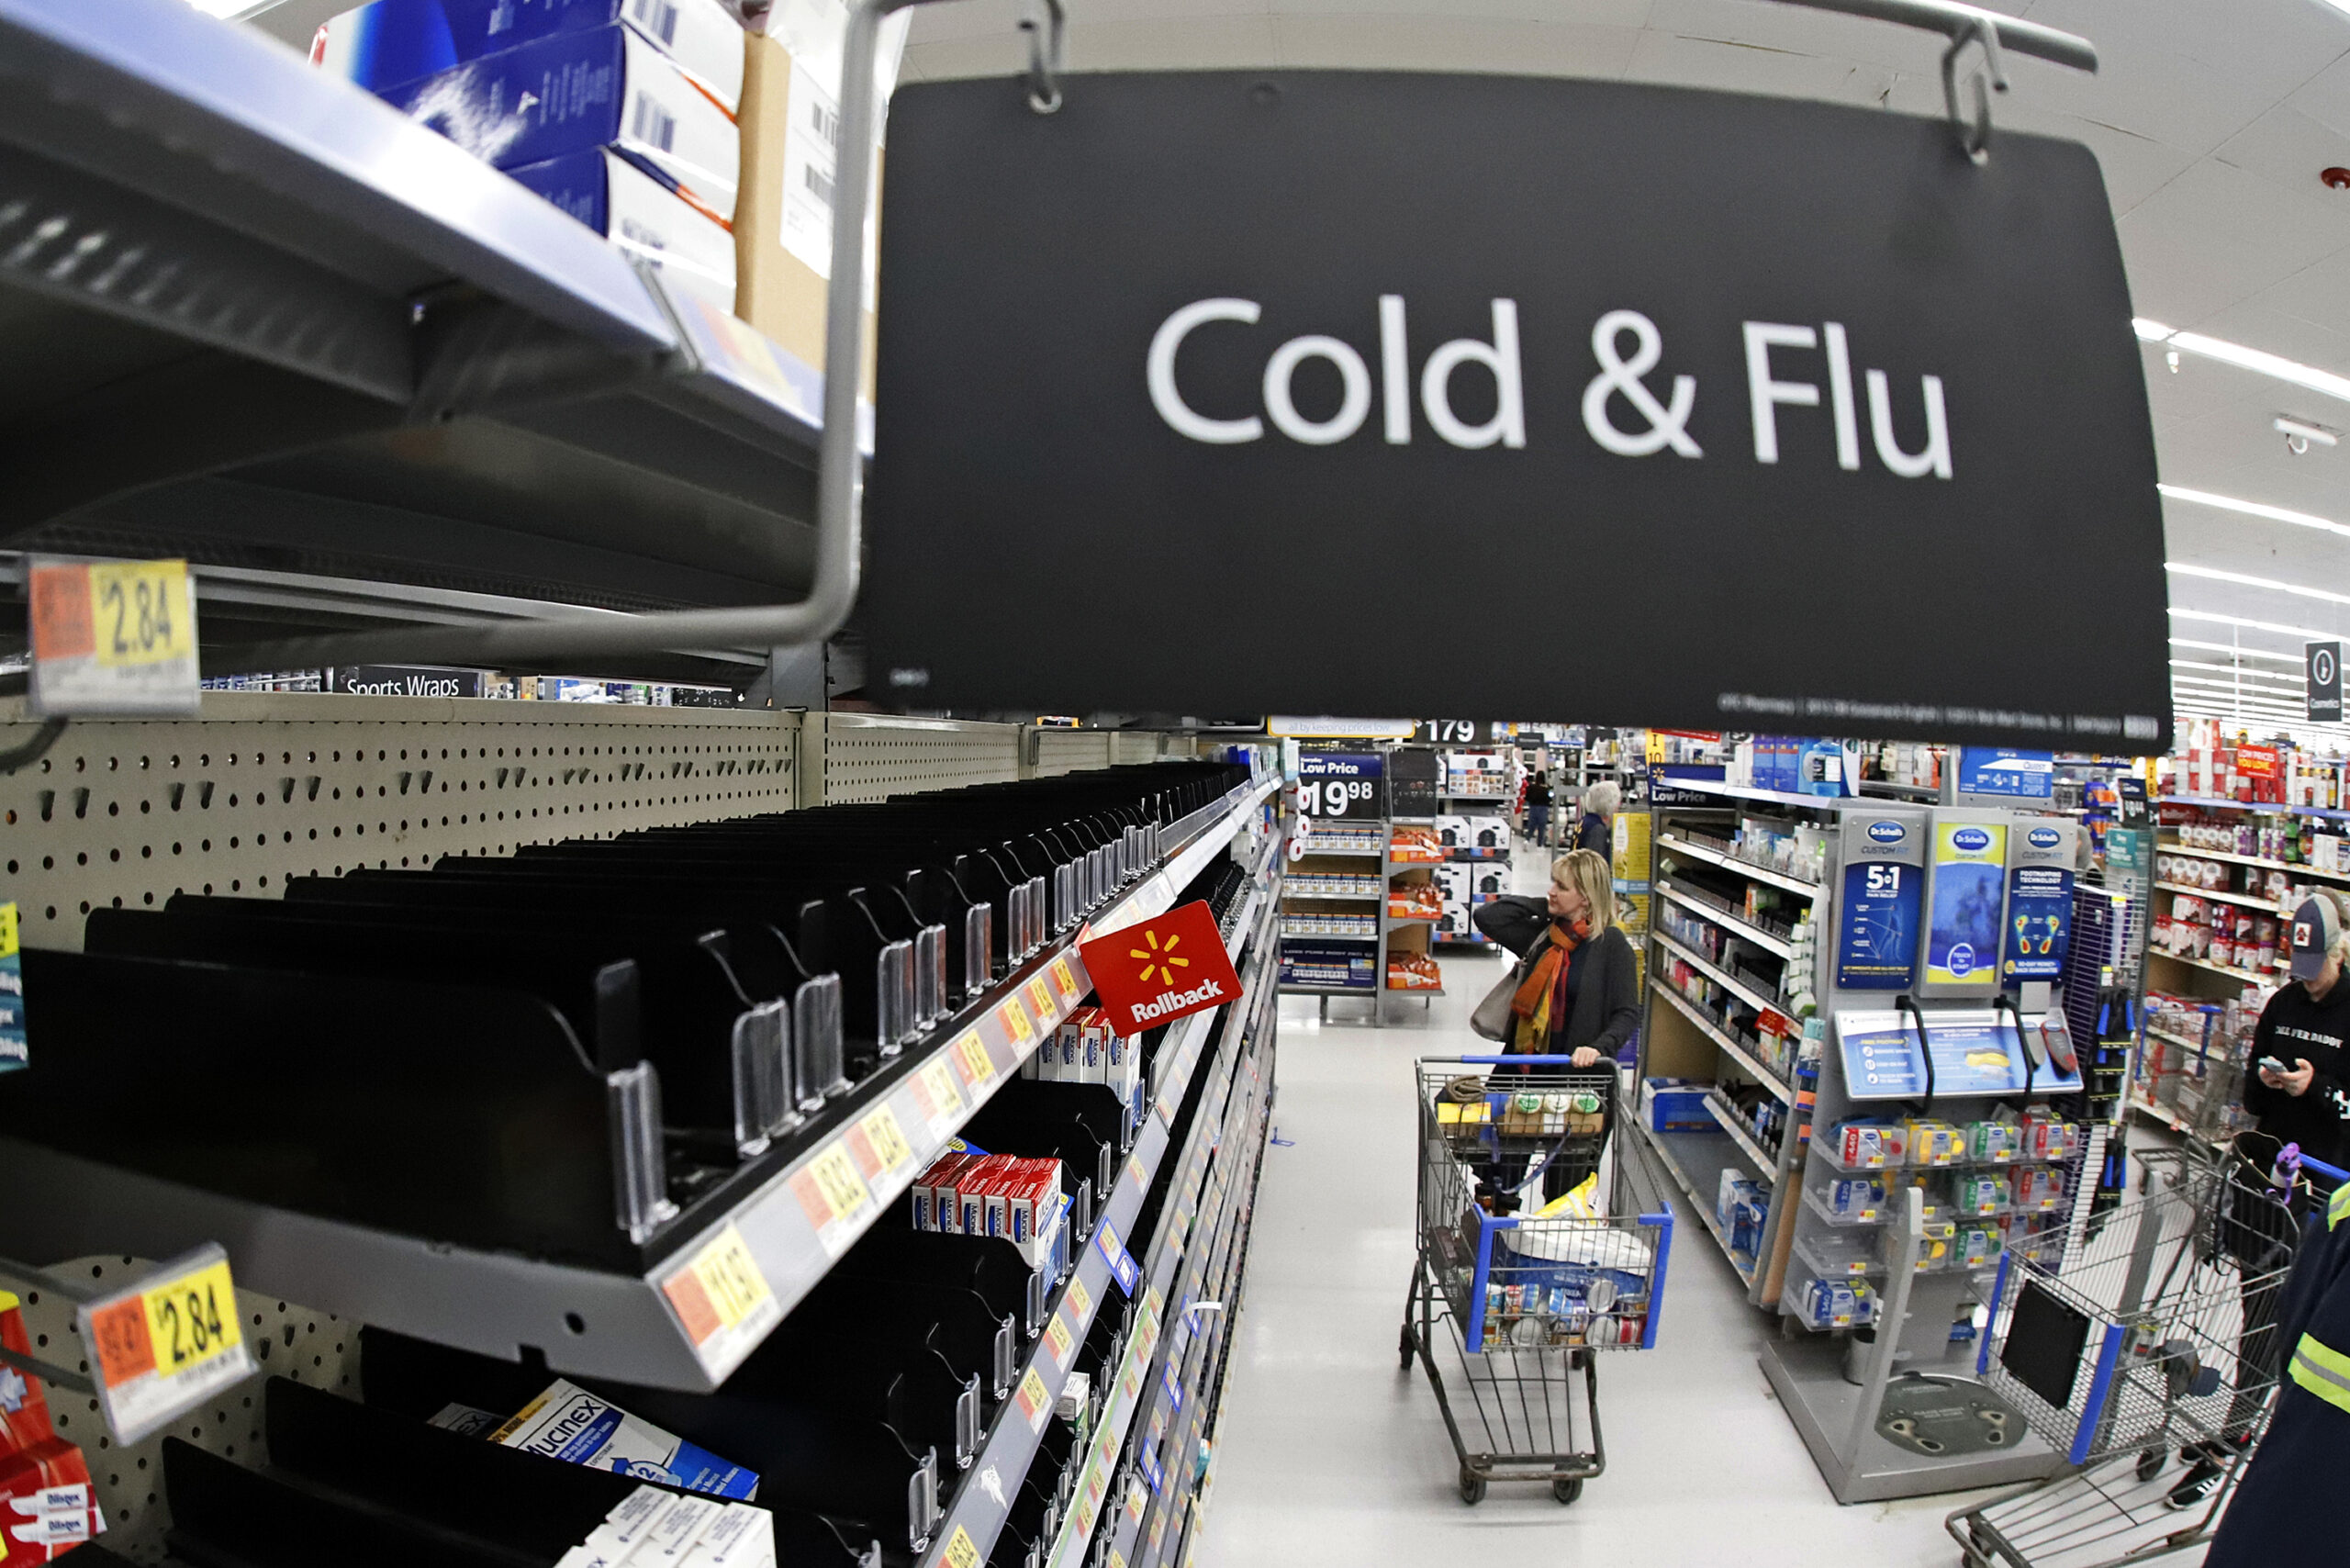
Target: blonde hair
point(1587, 871)
point(1602, 798)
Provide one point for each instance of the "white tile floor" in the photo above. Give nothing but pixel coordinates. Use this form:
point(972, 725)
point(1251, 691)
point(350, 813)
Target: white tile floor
point(1329, 1454)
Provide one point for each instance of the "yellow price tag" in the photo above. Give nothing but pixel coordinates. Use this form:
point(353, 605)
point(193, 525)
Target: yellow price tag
point(1065, 982)
point(1034, 1402)
point(887, 1140)
point(1014, 1019)
point(961, 1551)
point(721, 1288)
point(138, 611)
point(1043, 998)
point(829, 1189)
point(1078, 1301)
point(162, 1348)
point(978, 1066)
point(1057, 1334)
point(9, 931)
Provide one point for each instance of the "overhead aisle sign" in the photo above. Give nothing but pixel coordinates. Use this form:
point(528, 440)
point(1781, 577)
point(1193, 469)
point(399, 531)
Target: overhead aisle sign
point(1856, 417)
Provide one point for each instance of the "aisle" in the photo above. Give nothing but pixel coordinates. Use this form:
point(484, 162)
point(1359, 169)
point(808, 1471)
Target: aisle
point(1329, 1455)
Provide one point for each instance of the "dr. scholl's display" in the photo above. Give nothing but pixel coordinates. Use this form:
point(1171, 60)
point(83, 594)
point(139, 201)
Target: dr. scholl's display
point(1259, 348)
point(2040, 902)
point(1877, 918)
point(1977, 1051)
point(1962, 926)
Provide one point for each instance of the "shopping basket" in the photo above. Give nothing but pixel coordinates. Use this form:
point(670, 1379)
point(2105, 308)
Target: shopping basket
point(2153, 1330)
point(1524, 1298)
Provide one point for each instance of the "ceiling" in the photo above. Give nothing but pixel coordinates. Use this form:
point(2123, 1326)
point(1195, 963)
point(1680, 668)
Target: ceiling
point(2212, 120)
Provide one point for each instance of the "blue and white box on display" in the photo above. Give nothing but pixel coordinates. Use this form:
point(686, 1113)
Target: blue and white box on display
point(2007, 773)
point(389, 43)
point(1977, 1051)
point(574, 91)
point(644, 216)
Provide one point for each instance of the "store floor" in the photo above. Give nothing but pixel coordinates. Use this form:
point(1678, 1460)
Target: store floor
point(1329, 1454)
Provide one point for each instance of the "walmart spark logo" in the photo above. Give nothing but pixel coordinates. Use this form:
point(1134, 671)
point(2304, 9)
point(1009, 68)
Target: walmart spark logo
point(1165, 961)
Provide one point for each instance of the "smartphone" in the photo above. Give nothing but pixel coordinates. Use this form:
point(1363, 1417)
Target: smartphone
point(2273, 1065)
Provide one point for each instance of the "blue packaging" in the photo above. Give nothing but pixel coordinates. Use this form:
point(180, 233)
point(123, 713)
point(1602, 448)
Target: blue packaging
point(575, 91)
point(390, 43)
point(645, 214)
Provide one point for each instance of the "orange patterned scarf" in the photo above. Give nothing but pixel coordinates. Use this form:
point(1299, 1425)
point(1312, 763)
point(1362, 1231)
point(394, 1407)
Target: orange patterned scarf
point(1537, 999)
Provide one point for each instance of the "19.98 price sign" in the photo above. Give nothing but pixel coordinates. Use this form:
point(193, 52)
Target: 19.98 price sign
point(1338, 786)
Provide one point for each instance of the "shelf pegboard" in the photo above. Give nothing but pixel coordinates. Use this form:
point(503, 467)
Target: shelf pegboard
point(872, 758)
point(263, 787)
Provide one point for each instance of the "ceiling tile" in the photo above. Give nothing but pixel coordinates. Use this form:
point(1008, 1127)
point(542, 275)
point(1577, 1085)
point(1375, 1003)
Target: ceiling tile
point(2287, 148)
point(949, 60)
point(1540, 48)
point(2216, 235)
point(1745, 68)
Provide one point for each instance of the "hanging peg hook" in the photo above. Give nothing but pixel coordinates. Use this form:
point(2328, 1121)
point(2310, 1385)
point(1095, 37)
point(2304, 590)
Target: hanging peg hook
point(1973, 140)
point(1045, 60)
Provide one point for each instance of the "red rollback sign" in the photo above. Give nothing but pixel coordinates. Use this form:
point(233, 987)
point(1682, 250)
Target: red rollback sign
point(1157, 971)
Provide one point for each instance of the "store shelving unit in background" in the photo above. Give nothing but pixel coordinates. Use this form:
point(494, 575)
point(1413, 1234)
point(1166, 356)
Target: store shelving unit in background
point(1344, 856)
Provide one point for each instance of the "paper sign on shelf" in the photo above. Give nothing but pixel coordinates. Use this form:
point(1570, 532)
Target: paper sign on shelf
point(961, 1550)
point(936, 1097)
point(1123, 1268)
point(1041, 997)
point(879, 1143)
point(111, 637)
point(1057, 1335)
point(1161, 970)
point(1080, 1300)
point(1034, 1402)
point(971, 1057)
point(165, 1345)
point(1014, 1019)
point(833, 1194)
point(1065, 981)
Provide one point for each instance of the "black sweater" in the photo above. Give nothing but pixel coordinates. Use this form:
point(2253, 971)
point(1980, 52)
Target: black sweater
point(2292, 1026)
point(1606, 1007)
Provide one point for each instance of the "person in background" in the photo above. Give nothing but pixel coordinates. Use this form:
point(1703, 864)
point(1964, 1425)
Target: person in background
point(2298, 1083)
point(1537, 806)
point(1596, 831)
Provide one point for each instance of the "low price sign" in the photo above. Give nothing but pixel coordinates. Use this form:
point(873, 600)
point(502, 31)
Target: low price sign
point(1157, 971)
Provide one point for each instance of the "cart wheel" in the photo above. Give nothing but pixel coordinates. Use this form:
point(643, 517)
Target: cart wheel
point(1472, 1485)
point(1567, 1490)
point(1404, 1348)
point(2150, 1463)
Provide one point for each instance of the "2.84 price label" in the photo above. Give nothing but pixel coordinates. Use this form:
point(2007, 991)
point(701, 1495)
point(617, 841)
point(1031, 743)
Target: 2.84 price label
point(165, 1345)
point(112, 637)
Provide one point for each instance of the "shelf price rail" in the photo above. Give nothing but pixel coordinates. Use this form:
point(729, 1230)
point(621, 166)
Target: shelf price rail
point(1209, 1200)
point(975, 1517)
point(811, 1203)
point(1141, 1359)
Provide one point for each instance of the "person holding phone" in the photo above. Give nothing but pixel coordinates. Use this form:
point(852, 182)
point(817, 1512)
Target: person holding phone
point(2298, 1083)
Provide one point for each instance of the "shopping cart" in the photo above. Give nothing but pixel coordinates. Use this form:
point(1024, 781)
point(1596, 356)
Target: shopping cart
point(2154, 1330)
point(1527, 1300)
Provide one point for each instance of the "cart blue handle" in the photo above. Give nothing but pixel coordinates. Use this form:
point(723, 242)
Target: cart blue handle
point(1528, 1061)
point(2331, 1173)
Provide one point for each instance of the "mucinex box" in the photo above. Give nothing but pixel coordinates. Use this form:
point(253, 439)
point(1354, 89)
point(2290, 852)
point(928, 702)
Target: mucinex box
point(568, 1423)
point(647, 216)
point(575, 91)
point(390, 43)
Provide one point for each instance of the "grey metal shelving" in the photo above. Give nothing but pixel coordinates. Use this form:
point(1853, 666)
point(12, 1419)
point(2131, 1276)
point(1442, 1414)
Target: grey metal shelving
point(618, 1325)
point(284, 326)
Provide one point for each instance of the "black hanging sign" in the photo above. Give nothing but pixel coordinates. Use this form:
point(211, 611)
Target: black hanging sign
point(2323, 680)
point(1684, 408)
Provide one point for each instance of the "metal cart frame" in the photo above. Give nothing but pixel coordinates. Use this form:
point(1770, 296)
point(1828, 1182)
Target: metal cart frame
point(1528, 1302)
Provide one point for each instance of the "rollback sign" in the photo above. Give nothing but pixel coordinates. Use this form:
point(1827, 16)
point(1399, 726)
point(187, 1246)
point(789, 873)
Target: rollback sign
point(1850, 417)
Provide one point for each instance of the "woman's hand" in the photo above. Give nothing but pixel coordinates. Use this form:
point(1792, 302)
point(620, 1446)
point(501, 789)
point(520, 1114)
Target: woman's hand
point(1584, 1057)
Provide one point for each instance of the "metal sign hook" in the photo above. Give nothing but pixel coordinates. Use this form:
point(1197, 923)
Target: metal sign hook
point(1975, 136)
point(1045, 60)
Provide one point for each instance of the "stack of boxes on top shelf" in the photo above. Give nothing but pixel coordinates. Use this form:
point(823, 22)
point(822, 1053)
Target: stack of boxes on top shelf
point(705, 150)
point(2254, 774)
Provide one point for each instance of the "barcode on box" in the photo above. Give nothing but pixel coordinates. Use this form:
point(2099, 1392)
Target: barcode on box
point(827, 122)
point(652, 124)
point(658, 18)
point(638, 234)
point(820, 184)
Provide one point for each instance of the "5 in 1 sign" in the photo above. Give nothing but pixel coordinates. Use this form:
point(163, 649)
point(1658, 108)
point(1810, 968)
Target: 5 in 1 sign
point(1850, 414)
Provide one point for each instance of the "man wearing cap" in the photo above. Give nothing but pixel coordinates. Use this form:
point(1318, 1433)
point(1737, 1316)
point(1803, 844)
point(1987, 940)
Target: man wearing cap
point(2303, 1098)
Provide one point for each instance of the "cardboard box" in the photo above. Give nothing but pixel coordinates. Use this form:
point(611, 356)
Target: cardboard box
point(575, 91)
point(389, 43)
point(1489, 832)
point(1452, 831)
point(568, 1423)
point(791, 134)
point(646, 216)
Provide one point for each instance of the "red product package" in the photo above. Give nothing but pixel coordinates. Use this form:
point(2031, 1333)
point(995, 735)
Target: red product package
point(46, 1504)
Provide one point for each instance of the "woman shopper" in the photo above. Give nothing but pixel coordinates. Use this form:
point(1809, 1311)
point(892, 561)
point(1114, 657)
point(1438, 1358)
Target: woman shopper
point(1577, 993)
point(1596, 831)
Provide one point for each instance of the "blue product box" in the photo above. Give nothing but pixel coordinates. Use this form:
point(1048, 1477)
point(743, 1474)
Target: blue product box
point(577, 91)
point(1672, 1105)
point(389, 43)
point(643, 215)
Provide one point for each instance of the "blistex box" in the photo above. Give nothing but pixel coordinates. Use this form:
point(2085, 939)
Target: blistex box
point(575, 91)
point(389, 43)
point(645, 214)
point(568, 1423)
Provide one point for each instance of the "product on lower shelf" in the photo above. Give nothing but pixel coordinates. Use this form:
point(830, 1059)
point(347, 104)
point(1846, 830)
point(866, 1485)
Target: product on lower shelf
point(1413, 971)
point(568, 1423)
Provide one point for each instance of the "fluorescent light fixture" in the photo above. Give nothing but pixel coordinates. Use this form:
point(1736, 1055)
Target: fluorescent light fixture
point(231, 10)
point(2277, 627)
point(2253, 509)
point(2294, 680)
point(2244, 580)
point(2244, 358)
point(2240, 652)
